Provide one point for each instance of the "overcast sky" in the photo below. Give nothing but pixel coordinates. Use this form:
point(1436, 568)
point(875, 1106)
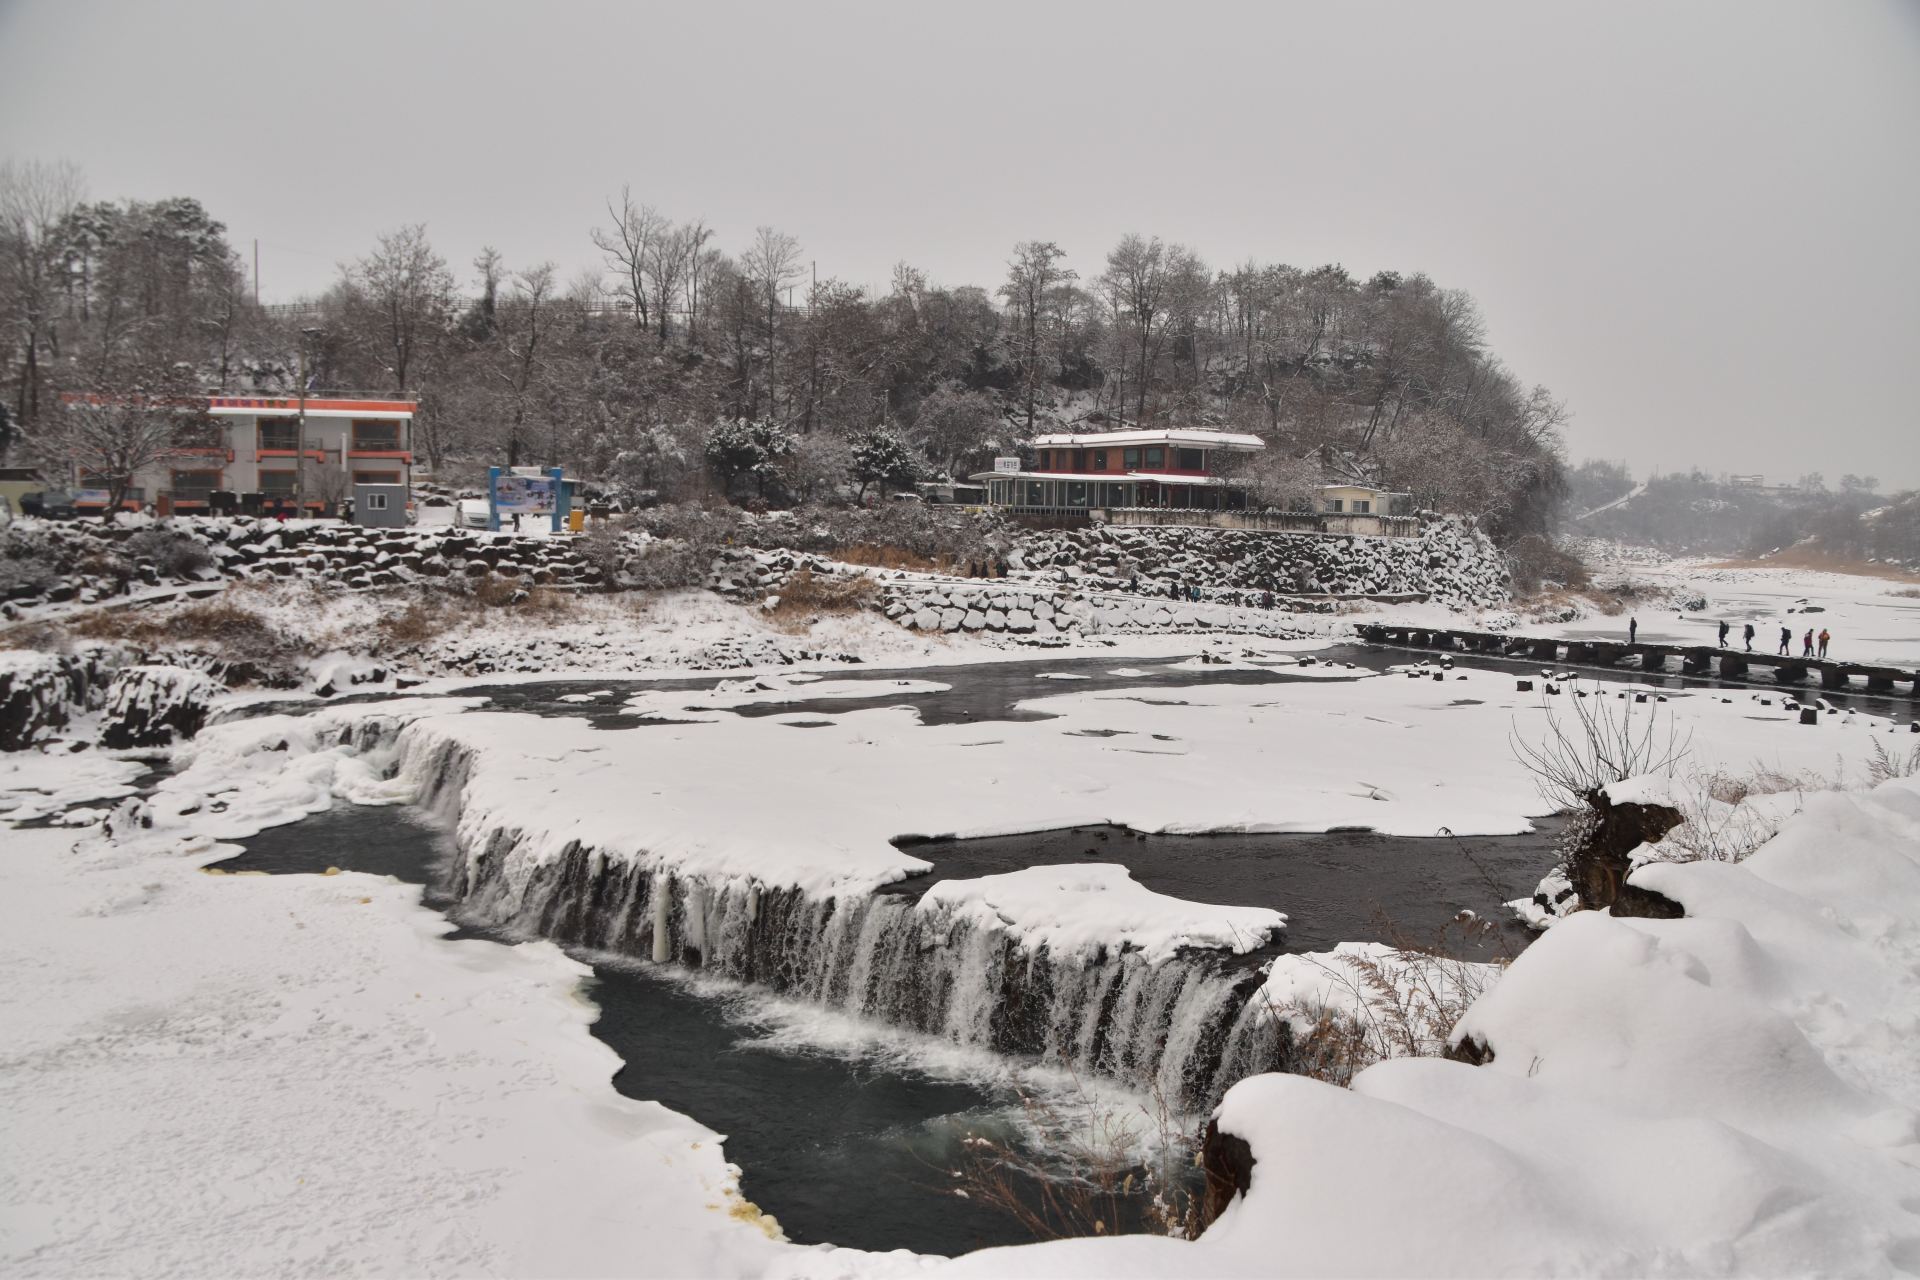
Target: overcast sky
point(1699, 223)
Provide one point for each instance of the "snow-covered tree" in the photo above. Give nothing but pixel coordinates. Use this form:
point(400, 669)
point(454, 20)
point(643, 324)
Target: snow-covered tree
point(741, 449)
point(883, 458)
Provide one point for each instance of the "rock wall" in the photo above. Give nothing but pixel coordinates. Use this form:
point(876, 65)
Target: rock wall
point(1451, 561)
point(1036, 609)
point(90, 561)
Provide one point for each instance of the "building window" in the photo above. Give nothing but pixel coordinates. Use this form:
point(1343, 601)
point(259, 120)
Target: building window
point(1077, 494)
point(194, 486)
point(278, 484)
point(376, 436)
point(1036, 494)
point(1156, 458)
point(1079, 459)
point(1334, 505)
point(1189, 460)
point(376, 502)
point(1362, 507)
point(279, 435)
point(1099, 460)
point(1131, 459)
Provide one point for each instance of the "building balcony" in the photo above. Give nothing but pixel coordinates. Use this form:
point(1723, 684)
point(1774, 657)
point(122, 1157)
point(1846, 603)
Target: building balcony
point(316, 455)
point(395, 455)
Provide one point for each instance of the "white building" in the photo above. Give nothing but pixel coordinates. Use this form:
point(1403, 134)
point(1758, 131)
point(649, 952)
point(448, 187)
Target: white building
point(257, 444)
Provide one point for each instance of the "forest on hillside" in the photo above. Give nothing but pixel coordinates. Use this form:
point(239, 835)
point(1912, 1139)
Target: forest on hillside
point(1691, 512)
point(687, 363)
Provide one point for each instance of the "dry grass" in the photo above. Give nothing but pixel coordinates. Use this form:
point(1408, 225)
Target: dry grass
point(221, 622)
point(1802, 558)
point(1907, 593)
point(806, 598)
point(1106, 1172)
point(873, 556)
point(422, 621)
point(1402, 1004)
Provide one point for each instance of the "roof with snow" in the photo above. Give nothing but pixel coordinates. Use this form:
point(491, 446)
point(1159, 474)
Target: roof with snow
point(1191, 437)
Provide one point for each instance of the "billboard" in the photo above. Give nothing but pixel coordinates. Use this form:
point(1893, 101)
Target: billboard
point(1007, 466)
point(525, 495)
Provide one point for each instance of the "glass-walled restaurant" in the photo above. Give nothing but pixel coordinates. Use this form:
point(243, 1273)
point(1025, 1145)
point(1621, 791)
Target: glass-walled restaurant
point(1121, 469)
point(1054, 491)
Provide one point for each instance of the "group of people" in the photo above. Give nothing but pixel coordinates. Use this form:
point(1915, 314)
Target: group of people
point(1809, 643)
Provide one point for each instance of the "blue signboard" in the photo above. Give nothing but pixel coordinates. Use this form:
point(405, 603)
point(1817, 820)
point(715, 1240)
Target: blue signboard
point(510, 494)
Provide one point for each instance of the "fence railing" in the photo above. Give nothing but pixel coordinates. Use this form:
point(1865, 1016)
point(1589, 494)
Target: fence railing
point(1337, 524)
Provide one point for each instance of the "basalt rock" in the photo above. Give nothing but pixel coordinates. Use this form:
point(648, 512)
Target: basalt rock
point(1598, 864)
point(1227, 1161)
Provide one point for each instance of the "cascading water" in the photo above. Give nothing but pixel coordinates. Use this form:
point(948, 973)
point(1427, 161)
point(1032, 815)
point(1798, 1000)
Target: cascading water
point(1184, 1029)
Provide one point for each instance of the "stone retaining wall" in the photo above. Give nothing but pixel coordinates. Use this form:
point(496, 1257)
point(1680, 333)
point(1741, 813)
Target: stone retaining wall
point(1451, 561)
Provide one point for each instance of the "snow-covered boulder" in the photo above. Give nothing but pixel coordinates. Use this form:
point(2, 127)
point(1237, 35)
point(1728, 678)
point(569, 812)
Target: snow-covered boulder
point(152, 706)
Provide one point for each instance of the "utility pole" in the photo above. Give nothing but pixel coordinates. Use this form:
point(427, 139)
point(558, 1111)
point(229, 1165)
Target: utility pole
point(300, 441)
point(256, 271)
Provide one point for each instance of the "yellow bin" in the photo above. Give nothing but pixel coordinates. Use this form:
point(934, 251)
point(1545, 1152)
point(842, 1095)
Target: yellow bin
point(576, 520)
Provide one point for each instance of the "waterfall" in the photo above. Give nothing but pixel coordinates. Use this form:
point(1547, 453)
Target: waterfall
point(1185, 1028)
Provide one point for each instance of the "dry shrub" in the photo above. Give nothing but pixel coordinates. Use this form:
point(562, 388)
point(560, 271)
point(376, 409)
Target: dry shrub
point(807, 597)
point(422, 621)
point(1590, 742)
point(885, 557)
point(1906, 593)
point(1537, 564)
point(1885, 765)
point(1104, 1173)
point(1403, 1003)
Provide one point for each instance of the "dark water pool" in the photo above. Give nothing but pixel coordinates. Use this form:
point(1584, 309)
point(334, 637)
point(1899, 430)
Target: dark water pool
point(1335, 887)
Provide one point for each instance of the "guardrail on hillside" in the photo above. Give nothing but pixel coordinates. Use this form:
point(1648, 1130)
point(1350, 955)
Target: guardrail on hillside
point(1332, 523)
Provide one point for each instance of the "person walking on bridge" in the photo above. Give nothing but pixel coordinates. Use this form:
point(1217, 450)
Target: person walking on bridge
point(1633, 631)
point(1824, 637)
point(1724, 628)
point(1806, 644)
point(1749, 637)
point(1786, 641)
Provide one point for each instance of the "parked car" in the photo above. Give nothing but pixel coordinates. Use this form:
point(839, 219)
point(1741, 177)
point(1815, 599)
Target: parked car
point(53, 504)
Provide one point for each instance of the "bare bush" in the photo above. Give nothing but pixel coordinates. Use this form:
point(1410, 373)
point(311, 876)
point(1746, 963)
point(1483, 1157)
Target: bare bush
point(808, 597)
point(1884, 765)
point(1591, 742)
point(1105, 1172)
point(173, 553)
point(1398, 1001)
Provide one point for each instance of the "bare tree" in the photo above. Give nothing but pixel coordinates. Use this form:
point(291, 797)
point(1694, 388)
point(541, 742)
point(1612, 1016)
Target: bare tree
point(36, 200)
point(409, 291)
point(629, 245)
point(525, 319)
point(1033, 278)
point(135, 415)
point(670, 260)
point(1136, 280)
point(772, 264)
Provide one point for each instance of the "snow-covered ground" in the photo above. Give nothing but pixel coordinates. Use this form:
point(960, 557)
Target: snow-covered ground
point(270, 1075)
